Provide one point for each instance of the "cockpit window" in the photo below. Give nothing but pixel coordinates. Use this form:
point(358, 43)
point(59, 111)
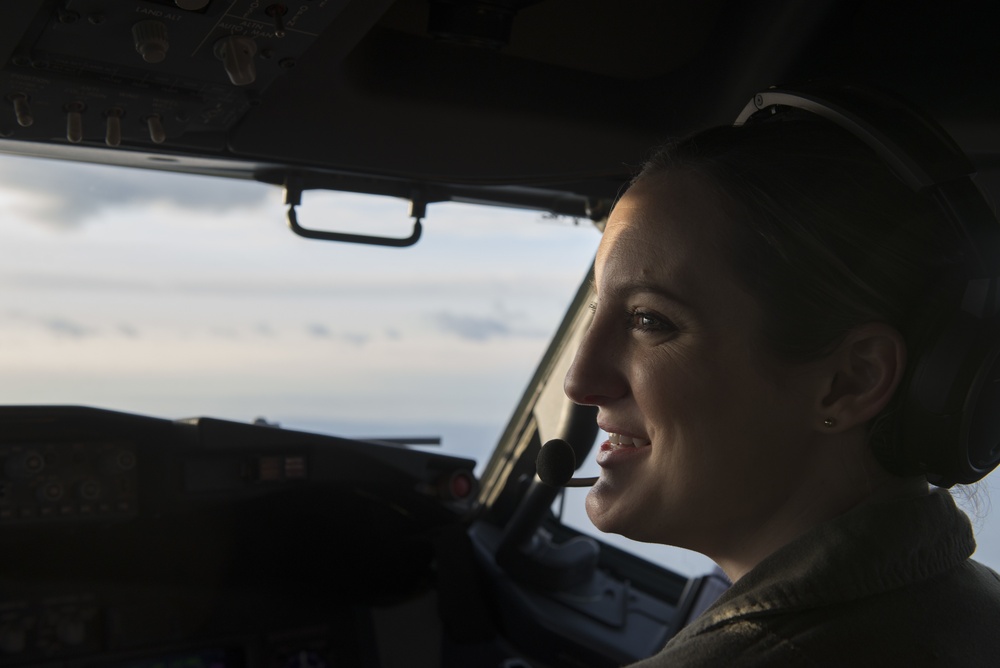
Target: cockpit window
point(176, 295)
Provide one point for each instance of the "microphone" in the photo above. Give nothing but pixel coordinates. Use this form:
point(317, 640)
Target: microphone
point(530, 555)
point(555, 465)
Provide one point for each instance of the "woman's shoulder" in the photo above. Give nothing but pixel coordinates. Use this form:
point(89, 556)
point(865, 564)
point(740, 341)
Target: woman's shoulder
point(949, 619)
point(862, 592)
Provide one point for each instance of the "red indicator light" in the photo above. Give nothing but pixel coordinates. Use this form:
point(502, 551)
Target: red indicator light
point(460, 486)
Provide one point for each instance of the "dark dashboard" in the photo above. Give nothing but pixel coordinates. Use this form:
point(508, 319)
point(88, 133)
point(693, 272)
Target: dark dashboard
point(138, 542)
point(217, 543)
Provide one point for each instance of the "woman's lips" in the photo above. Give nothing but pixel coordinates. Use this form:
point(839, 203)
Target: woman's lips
point(620, 448)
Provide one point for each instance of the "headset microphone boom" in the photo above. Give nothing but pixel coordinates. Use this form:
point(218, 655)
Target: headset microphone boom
point(555, 465)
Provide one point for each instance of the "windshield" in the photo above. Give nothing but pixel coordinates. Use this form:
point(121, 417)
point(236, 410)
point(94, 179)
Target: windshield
point(178, 296)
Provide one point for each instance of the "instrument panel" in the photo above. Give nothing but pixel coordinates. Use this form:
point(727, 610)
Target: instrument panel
point(138, 542)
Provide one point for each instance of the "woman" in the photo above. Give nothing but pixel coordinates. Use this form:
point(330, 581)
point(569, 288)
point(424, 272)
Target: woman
point(760, 290)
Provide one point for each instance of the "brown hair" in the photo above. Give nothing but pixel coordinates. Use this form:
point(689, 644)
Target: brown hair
point(825, 236)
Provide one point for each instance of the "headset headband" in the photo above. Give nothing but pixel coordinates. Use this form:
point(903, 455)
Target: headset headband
point(949, 422)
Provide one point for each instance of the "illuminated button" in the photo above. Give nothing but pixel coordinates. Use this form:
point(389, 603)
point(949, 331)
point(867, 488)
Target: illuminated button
point(269, 469)
point(126, 460)
point(461, 485)
point(295, 468)
point(456, 486)
point(25, 464)
point(118, 461)
point(50, 492)
point(89, 490)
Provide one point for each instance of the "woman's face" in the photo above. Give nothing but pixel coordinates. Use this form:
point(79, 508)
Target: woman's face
point(709, 434)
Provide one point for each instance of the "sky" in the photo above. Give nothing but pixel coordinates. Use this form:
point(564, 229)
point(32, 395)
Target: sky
point(180, 295)
point(177, 296)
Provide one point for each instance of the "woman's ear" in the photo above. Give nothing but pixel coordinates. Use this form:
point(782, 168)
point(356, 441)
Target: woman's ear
point(863, 374)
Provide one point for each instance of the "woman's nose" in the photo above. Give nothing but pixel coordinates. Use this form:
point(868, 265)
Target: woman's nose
point(595, 378)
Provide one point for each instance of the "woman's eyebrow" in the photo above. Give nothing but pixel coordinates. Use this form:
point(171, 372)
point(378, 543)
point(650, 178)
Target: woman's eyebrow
point(629, 288)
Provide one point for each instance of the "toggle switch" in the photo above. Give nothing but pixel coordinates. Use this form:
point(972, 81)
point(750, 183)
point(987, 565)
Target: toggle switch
point(236, 53)
point(277, 12)
point(157, 134)
point(113, 132)
point(74, 122)
point(22, 111)
point(151, 40)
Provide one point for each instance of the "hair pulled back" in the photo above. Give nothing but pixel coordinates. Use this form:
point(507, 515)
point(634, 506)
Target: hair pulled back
point(824, 236)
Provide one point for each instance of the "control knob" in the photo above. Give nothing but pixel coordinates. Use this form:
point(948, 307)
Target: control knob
point(236, 53)
point(151, 40)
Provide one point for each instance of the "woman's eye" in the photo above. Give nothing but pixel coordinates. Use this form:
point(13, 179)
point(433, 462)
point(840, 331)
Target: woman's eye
point(645, 321)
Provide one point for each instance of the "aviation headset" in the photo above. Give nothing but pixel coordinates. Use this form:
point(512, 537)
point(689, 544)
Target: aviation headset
point(948, 421)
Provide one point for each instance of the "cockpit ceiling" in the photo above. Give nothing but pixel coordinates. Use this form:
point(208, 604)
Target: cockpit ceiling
point(563, 95)
point(621, 40)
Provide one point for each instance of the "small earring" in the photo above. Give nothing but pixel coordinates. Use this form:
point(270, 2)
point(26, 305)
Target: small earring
point(829, 422)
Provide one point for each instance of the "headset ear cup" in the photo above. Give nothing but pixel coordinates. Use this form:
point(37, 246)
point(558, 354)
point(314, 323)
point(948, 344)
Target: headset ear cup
point(981, 425)
point(945, 420)
point(949, 423)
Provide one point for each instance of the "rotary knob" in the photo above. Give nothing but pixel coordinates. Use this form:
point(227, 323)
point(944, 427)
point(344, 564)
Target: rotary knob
point(151, 40)
point(236, 53)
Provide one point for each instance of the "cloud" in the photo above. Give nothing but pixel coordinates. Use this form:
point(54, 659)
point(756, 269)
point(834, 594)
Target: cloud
point(471, 328)
point(225, 332)
point(66, 328)
point(264, 329)
point(67, 194)
point(355, 338)
point(318, 331)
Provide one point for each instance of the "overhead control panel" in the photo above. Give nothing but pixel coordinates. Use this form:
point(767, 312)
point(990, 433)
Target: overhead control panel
point(130, 72)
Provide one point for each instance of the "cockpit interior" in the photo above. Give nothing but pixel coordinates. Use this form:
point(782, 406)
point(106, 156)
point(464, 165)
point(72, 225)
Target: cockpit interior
point(135, 541)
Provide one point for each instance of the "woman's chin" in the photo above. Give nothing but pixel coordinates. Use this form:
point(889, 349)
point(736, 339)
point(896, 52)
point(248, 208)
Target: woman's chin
point(605, 508)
